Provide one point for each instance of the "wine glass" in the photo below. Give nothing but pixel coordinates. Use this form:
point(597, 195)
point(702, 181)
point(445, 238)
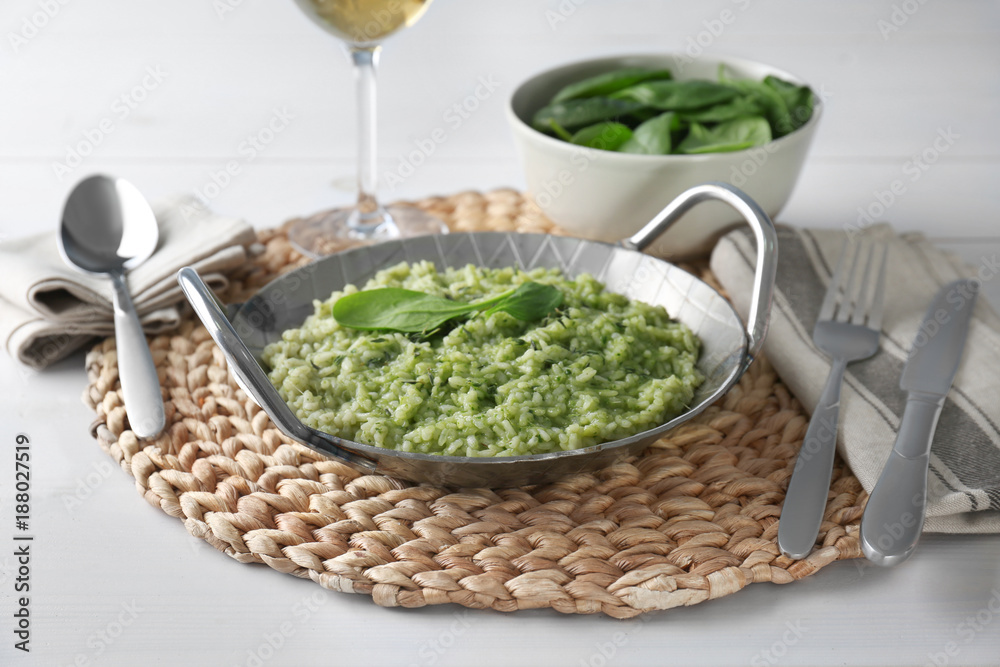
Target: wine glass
point(362, 25)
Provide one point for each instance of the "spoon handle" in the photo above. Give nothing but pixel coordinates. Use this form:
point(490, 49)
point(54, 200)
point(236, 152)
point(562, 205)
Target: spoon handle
point(136, 370)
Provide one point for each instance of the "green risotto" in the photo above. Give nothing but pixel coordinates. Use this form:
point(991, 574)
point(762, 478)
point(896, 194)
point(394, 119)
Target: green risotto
point(600, 368)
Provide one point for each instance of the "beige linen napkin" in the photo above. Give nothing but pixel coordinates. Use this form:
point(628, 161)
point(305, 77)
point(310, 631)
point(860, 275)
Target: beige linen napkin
point(964, 478)
point(49, 309)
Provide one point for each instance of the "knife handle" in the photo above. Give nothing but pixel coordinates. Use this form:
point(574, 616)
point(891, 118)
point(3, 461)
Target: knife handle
point(894, 515)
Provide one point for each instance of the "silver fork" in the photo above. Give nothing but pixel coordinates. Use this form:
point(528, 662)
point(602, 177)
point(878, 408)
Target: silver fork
point(848, 330)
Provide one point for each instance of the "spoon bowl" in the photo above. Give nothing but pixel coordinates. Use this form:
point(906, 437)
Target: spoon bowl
point(108, 228)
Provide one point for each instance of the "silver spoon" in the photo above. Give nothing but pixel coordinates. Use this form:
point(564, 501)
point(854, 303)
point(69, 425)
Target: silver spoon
point(108, 228)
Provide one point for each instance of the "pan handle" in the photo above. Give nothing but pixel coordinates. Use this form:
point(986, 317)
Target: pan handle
point(767, 247)
point(251, 377)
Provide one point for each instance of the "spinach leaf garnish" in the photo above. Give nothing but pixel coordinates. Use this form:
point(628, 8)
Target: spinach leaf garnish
point(409, 311)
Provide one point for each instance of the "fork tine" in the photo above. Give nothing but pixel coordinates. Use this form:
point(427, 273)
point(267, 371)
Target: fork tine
point(847, 302)
point(830, 300)
point(862, 303)
point(878, 297)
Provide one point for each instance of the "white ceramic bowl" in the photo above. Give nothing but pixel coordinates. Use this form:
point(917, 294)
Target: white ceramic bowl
point(609, 196)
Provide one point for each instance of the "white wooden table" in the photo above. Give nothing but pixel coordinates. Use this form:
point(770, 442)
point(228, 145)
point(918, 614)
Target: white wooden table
point(166, 94)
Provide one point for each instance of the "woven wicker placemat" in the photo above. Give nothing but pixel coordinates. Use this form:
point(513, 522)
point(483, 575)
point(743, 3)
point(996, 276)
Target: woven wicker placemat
point(692, 519)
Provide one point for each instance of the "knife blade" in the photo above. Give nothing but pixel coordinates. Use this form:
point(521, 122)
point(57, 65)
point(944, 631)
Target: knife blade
point(894, 515)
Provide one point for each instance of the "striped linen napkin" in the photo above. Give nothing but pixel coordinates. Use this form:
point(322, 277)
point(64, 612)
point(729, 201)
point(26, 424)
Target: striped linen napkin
point(964, 479)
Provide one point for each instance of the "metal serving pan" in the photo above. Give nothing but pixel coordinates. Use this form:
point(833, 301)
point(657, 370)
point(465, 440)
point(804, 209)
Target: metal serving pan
point(728, 347)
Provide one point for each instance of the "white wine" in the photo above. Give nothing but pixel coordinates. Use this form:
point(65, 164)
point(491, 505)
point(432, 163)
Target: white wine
point(364, 22)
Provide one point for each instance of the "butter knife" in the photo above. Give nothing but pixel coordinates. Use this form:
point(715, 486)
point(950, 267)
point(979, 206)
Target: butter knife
point(894, 515)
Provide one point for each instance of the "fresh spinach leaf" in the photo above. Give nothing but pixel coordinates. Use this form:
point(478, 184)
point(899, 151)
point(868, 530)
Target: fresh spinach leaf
point(677, 95)
point(529, 302)
point(744, 105)
point(641, 116)
point(733, 135)
point(772, 105)
point(787, 106)
point(560, 131)
point(654, 136)
point(575, 114)
point(608, 136)
point(644, 111)
point(610, 82)
point(408, 311)
point(798, 100)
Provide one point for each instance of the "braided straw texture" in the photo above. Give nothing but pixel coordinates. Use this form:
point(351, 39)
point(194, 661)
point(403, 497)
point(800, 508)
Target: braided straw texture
point(692, 519)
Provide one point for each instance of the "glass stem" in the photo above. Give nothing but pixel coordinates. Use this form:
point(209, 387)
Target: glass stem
point(369, 213)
